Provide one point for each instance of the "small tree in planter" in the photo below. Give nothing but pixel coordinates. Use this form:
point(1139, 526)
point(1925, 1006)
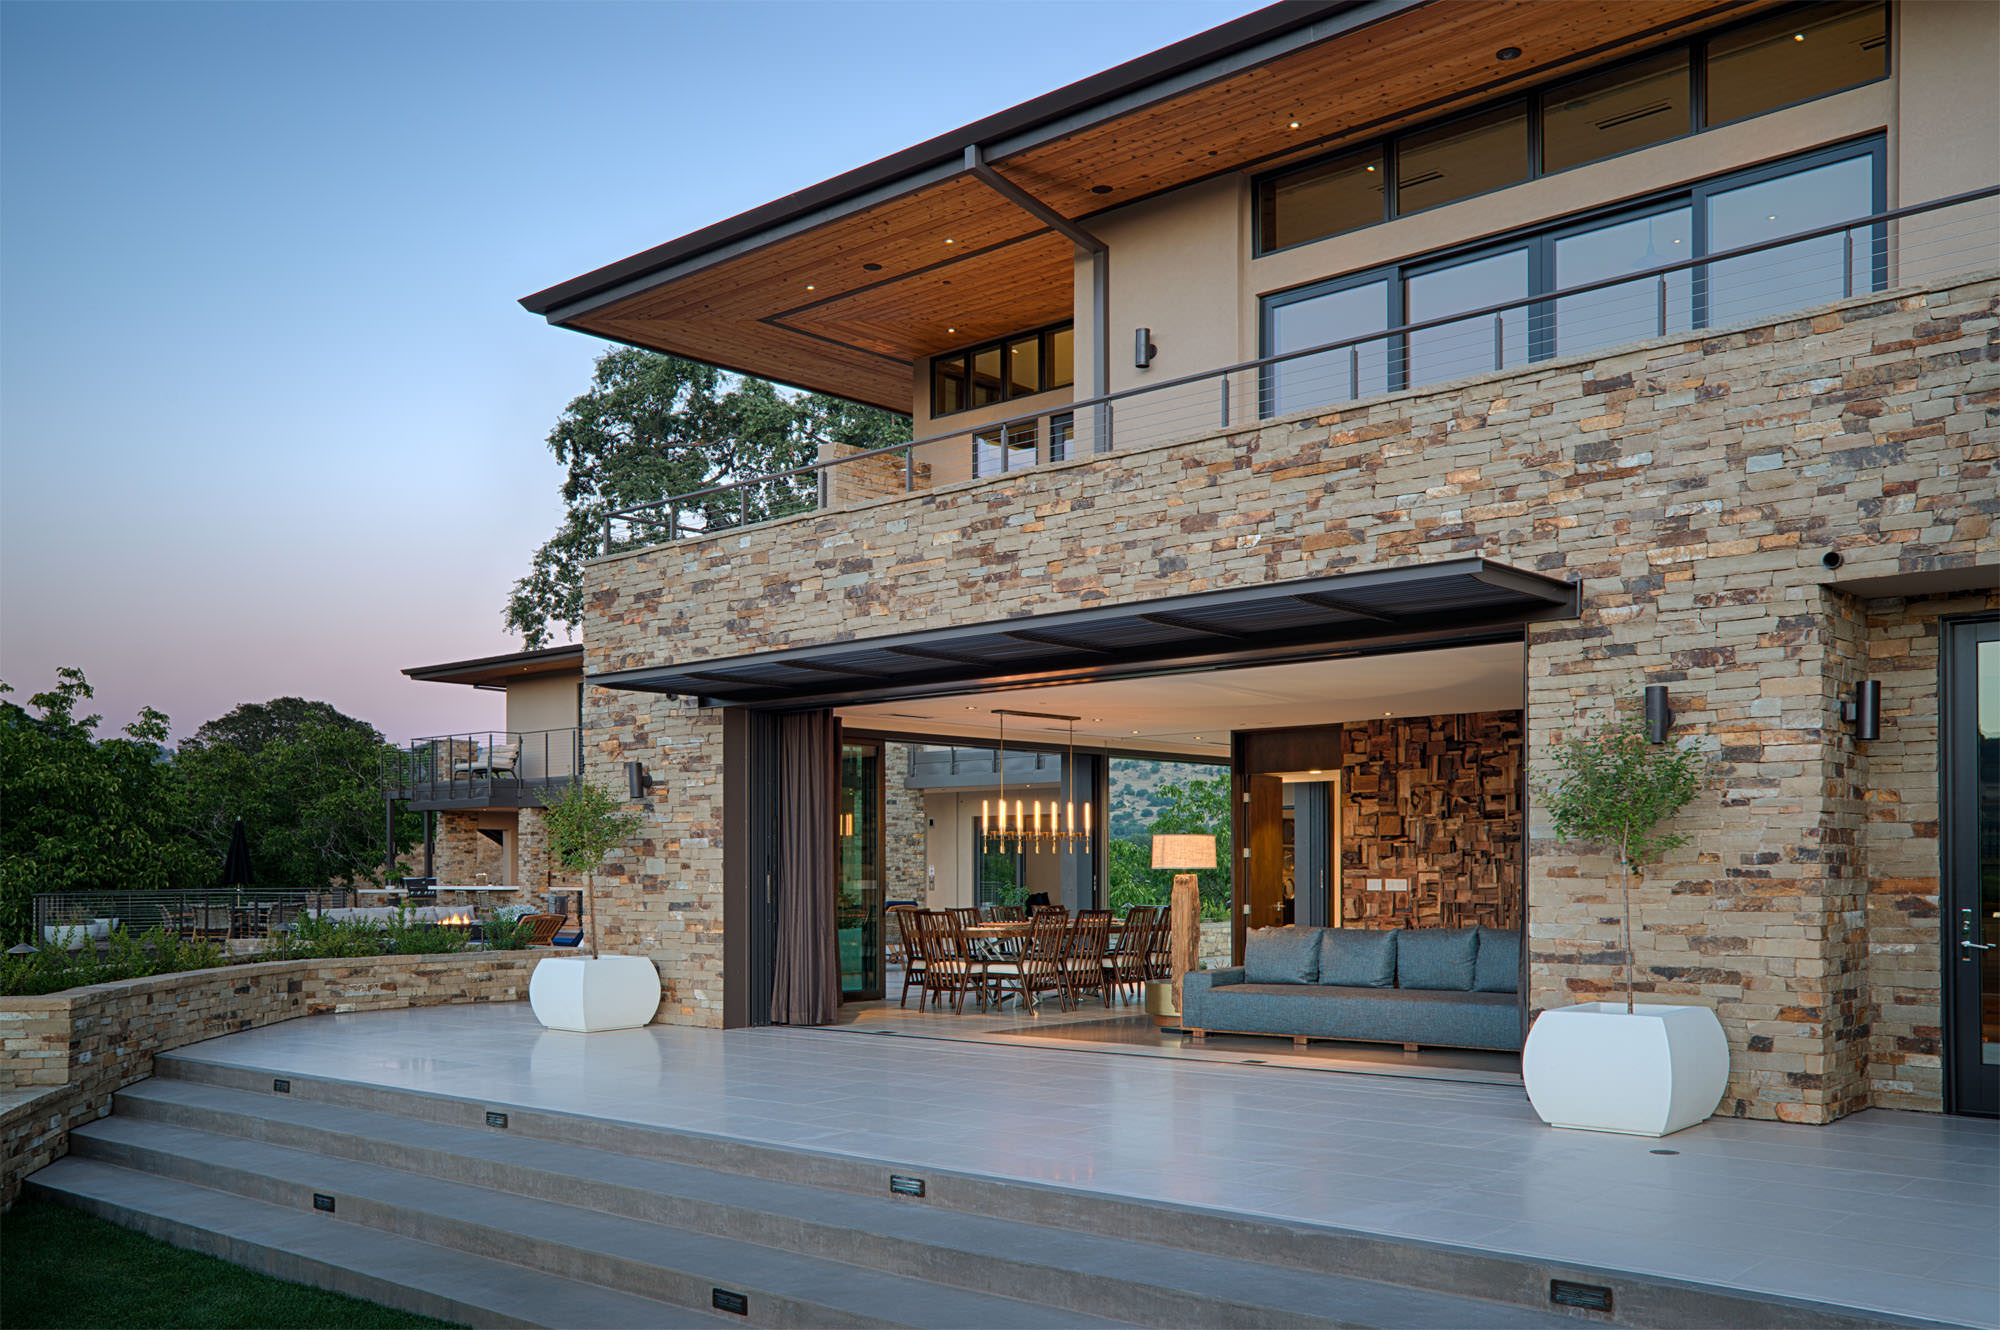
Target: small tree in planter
point(1647, 1070)
point(584, 825)
point(1615, 790)
point(590, 992)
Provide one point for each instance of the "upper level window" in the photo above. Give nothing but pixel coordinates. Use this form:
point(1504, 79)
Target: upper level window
point(1633, 106)
point(1794, 57)
point(1485, 150)
point(1515, 281)
point(1021, 366)
point(1806, 52)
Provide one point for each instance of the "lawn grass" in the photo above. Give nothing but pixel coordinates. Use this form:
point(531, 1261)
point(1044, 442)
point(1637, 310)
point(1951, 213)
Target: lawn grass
point(62, 1268)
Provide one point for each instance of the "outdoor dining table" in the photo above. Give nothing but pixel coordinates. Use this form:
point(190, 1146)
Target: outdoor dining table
point(1000, 928)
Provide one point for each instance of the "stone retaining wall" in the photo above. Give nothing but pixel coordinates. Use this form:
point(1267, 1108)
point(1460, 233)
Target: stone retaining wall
point(67, 1053)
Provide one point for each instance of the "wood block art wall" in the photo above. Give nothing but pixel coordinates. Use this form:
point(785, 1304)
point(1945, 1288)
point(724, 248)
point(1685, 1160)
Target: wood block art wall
point(1434, 801)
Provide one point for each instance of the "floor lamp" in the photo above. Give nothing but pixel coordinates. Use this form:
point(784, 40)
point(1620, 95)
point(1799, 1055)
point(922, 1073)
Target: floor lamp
point(1184, 852)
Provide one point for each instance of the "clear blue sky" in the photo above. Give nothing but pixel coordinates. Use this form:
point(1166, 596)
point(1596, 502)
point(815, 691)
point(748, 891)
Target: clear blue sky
point(270, 420)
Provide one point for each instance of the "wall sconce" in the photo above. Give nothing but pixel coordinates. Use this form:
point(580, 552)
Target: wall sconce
point(1864, 713)
point(1143, 349)
point(1659, 717)
point(638, 781)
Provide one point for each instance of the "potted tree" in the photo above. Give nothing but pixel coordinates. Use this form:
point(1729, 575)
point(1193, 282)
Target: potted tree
point(1643, 1068)
point(588, 992)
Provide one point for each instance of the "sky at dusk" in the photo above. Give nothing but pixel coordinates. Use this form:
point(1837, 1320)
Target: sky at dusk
point(271, 421)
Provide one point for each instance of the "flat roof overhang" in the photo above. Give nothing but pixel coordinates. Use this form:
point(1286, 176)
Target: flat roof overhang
point(499, 671)
point(1457, 600)
point(913, 255)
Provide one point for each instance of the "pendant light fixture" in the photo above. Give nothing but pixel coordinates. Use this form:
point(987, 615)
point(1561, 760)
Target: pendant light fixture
point(1031, 828)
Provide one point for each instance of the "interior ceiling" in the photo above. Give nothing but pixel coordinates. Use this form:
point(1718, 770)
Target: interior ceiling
point(847, 307)
point(1192, 714)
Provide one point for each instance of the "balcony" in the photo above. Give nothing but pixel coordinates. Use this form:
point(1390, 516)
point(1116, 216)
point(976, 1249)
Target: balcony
point(485, 769)
point(1905, 249)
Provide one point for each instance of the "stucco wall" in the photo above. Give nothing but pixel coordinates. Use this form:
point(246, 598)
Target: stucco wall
point(1691, 487)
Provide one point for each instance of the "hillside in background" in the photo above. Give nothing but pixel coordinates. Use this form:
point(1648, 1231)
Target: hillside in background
point(1134, 796)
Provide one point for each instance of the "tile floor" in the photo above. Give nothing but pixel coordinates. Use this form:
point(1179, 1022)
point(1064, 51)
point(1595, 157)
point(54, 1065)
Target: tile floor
point(1890, 1211)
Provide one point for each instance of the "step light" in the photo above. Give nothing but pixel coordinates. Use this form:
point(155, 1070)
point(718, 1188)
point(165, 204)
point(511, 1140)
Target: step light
point(724, 1301)
point(1590, 1297)
point(321, 1201)
point(497, 1120)
point(280, 1086)
point(901, 1185)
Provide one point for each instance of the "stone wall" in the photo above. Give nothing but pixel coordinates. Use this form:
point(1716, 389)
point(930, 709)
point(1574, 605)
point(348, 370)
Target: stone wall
point(906, 856)
point(1690, 486)
point(461, 852)
point(68, 1052)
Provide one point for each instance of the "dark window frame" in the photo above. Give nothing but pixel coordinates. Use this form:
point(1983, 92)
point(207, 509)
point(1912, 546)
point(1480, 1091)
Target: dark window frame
point(1540, 241)
point(1044, 373)
point(1696, 49)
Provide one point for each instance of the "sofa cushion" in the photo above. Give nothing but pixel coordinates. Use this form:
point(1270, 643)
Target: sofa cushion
point(1436, 958)
point(1281, 956)
point(1358, 957)
point(1497, 967)
point(1390, 1015)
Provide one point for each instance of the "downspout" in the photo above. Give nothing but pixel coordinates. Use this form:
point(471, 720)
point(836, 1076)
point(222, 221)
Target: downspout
point(1100, 279)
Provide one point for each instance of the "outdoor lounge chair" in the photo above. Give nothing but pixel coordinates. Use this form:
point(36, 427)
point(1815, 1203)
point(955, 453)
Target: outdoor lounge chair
point(493, 760)
point(542, 928)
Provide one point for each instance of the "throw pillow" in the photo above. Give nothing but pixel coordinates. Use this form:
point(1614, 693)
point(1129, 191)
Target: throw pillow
point(1497, 967)
point(1436, 958)
point(1359, 957)
point(1281, 956)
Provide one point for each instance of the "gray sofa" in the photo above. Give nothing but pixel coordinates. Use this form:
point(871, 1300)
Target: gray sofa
point(1450, 987)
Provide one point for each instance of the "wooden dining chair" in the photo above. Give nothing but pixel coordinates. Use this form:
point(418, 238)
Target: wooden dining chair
point(1084, 957)
point(911, 955)
point(1009, 914)
point(1160, 948)
point(961, 969)
point(1129, 959)
point(1038, 968)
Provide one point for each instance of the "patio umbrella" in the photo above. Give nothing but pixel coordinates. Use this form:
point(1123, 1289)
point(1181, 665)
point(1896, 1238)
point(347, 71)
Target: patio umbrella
point(236, 866)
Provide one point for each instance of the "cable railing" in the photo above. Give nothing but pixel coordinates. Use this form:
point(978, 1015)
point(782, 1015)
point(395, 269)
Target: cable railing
point(1901, 248)
point(483, 764)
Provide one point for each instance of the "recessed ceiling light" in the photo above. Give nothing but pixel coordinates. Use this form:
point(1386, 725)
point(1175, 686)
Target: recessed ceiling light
point(951, 330)
point(811, 287)
point(1508, 53)
point(1798, 36)
point(1371, 170)
point(1388, 713)
point(1135, 731)
point(1295, 124)
point(871, 267)
point(1100, 189)
point(1313, 772)
point(949, 241)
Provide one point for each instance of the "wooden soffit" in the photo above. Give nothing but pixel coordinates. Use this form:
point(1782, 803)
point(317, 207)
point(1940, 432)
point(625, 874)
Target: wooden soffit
point(848, 304)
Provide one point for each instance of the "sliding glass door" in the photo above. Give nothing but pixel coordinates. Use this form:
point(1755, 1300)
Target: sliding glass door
point(1971, 753)
point(858, 885)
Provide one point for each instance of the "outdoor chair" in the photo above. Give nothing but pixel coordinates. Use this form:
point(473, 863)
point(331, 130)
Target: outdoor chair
point(1039, 967)
point(1010, 914)
point(542, 928)
point(211, 921)
point(1160, 948)
point(1084, 958)
point(493, 760)
point(948, 966)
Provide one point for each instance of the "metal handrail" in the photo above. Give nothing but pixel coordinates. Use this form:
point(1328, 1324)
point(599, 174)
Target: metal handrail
point(648, 512)
point(433, 763)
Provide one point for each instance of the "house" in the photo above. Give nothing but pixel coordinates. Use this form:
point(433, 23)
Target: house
point(481, 793)
point(1361, 396)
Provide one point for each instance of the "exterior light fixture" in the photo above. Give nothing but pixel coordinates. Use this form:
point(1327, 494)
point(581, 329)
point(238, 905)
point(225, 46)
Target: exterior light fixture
point(1659, 717)
point(1143, 349)
point(1864, 713)
point(20, 949)
point(638, 781)
point(1508, 53)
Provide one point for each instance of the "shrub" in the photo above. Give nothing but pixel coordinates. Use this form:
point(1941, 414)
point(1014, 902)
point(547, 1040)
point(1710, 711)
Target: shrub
point(507, 932)
point(409, 935)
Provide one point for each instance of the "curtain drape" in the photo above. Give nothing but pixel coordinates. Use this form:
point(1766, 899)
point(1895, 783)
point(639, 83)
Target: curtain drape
point(805, 988)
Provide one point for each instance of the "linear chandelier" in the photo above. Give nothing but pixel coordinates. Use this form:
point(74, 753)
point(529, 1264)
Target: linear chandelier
point(1028, 831)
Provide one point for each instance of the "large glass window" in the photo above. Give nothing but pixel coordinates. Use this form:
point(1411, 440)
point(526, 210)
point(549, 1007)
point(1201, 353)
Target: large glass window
point(1062, 437)
point(1791, 276)
point(1632, 311)
point(1471, 346)
point(1466, 157)
point(1333, 376)
point(1019, 366)
point(1338, 194)
point(1800, 53)
point(1631, 106)
point(1793, 57)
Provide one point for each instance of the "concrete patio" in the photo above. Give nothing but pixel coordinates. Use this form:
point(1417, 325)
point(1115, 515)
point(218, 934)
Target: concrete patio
point(1884, 1211)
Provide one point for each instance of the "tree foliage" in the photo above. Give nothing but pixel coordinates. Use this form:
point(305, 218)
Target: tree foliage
point(305, 779)
point(1615, 789)
point(78, 812)
point(584, 825)
point(651, 426)
point(1197, 807)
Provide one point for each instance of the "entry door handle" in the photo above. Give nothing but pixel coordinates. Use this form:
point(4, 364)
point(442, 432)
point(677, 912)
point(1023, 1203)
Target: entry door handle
point(1977, 946)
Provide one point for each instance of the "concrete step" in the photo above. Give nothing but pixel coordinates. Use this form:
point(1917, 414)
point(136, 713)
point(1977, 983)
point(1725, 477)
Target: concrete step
point(1109, 1276)
point(651, 1260)
point(306, 1247)
point(1481, 1277)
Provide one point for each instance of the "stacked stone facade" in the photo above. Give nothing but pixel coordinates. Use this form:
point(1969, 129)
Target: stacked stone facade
point(905, 847)
point(1691, 487)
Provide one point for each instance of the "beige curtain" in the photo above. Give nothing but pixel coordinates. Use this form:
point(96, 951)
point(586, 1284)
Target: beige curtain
point(805, 988)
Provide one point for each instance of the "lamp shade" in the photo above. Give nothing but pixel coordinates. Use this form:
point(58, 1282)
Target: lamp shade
point(1183, 851)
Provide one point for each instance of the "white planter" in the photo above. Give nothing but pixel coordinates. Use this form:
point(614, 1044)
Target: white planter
point(1651, 1072)
point(591, 993)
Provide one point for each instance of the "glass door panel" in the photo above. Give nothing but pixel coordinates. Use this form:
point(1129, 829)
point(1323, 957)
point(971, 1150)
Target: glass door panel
point(1475, 346)
point(858, 886)
point(1972, 864)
